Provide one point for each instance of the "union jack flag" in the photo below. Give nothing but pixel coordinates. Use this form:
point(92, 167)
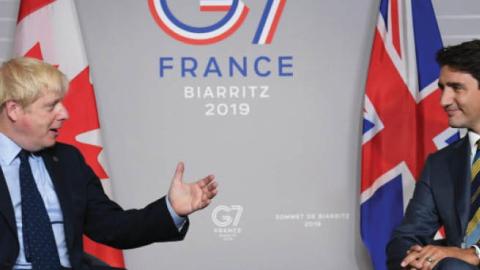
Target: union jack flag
point(403, 121)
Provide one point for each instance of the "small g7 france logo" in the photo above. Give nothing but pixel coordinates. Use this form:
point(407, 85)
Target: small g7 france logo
point(236, 12)
point(224, 216)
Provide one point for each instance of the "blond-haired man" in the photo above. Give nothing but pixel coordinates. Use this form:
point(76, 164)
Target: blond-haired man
point(49, 197)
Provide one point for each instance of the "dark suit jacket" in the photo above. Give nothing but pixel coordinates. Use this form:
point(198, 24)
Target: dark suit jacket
point(87, 210)
point(441, 197)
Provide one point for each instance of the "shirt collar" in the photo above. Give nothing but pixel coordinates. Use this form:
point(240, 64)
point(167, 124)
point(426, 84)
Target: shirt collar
point(9, 148)
point(473, 138)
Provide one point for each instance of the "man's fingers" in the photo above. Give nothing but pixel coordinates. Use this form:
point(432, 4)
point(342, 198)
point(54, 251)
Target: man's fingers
point(212, 186)
point(413, 255)
point(211, 190)
point(426, 261)
point(205, 204)
point(206, 181)
point(424, 258)
point(212, 194)
point(416, 248)
point(409, 259)
point(433, 264)
point(178, 176)
point(413, 258)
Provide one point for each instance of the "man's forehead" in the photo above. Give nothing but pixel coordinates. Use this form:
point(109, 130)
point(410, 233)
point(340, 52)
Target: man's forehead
point(51, 92)
point(449, 72)
point(456, 78)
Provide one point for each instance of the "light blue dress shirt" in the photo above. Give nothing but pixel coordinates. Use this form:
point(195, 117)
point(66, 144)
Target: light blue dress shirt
point(10, 164)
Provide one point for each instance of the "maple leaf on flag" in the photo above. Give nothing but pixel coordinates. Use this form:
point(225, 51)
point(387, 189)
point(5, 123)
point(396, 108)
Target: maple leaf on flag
point(82, 108)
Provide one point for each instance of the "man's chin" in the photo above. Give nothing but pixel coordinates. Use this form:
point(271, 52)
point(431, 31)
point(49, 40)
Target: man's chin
point(50, 143)
point(455, 123)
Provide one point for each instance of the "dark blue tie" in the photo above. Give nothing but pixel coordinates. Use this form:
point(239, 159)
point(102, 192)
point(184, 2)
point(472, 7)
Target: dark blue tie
point(39, 241)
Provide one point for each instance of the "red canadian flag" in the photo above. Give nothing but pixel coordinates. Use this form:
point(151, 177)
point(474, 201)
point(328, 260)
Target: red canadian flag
point(49, 30)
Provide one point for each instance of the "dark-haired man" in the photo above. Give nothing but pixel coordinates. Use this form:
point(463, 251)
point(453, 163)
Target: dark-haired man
point(448, 191)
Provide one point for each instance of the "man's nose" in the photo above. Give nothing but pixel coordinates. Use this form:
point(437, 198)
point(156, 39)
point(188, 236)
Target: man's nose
point(446, 97)
point(63, 112)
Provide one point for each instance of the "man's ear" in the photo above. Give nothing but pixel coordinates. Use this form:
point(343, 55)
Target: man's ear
point(13, 110)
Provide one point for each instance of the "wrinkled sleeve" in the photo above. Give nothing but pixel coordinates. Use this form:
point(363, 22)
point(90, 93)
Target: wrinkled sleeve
point(420, 223)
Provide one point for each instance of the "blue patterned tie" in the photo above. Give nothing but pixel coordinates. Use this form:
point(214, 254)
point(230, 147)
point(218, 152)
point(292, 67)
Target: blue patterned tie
point(38, 238)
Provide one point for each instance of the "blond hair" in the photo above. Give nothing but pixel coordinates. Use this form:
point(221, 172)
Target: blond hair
point(25, 79)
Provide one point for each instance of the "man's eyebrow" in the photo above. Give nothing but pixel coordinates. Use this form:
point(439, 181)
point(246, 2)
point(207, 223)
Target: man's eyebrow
point(55, 101)
point(454, 84)
point(450, 84)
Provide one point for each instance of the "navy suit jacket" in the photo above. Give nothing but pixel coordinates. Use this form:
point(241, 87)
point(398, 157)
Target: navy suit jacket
point(441, 198)
point(87, 210)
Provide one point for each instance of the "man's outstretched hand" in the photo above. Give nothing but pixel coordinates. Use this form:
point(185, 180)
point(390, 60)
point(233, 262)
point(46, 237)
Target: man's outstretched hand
point(187, 198)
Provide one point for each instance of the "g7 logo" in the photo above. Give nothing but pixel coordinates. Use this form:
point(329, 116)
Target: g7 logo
point(236, 10)
point(226, 219)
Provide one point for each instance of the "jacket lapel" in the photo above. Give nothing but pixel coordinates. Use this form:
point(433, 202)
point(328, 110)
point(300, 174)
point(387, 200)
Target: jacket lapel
point(460, 171)
point(52, 163)
point(6, 208)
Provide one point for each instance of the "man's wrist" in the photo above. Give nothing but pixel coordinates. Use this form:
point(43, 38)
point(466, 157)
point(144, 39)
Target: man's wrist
point(177, 219)
point(476, 249)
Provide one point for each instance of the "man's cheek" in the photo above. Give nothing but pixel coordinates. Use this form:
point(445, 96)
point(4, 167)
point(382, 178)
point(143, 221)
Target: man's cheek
point(24, 125)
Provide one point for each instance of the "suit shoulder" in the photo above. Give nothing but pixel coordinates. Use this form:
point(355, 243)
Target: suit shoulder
point(448, 150)
point(63, 149)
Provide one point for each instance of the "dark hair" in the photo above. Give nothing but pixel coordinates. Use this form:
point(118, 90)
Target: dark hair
point(462, 57)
